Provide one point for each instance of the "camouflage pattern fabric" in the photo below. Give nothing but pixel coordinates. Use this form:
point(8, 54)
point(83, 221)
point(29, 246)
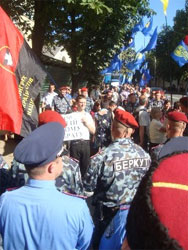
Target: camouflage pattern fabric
point(116, 171)
point(89, 104)
point(69, 181)
point(60, 105)
point(4, 175)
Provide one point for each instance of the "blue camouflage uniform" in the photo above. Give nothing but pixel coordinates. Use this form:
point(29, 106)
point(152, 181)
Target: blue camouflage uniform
point(4, 175)
point(114, 176)
point(69, 181)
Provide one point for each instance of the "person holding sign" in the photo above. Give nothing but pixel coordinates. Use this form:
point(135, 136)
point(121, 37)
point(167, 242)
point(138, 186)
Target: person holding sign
point(80, 149)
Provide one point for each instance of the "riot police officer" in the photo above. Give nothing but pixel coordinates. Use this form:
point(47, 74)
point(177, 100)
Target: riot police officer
point(113, 177)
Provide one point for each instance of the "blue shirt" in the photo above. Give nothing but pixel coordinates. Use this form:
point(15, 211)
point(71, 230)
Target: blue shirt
point(37, 216)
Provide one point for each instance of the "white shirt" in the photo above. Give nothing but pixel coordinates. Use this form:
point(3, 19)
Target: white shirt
point(48, 98)
point(156, 136)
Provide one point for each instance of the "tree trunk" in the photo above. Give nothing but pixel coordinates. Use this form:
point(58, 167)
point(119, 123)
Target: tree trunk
point(41, 22)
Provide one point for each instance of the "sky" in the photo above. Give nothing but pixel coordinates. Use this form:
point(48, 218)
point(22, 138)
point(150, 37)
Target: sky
point(159, 18)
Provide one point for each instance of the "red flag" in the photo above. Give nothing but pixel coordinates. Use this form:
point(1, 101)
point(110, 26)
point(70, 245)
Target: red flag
point(21, 78)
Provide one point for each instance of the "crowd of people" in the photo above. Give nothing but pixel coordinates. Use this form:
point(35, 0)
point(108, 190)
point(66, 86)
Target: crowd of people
point(86, 193)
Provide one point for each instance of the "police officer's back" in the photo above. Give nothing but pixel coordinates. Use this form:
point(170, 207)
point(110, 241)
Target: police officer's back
point(115, 173)
point(37, 216)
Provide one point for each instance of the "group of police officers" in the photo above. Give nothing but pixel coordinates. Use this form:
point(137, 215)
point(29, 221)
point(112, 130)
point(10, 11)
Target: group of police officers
point(48, 208)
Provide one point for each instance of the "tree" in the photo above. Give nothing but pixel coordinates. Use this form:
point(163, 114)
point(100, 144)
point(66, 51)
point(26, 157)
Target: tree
point(168, 39)
point(91, 31)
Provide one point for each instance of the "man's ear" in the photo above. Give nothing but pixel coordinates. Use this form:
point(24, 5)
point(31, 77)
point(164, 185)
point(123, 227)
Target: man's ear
point(51, 167)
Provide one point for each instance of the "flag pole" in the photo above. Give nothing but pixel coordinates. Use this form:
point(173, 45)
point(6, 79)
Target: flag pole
point(168, 52)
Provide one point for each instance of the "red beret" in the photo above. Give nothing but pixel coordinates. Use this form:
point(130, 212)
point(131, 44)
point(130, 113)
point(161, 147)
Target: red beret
point(143, 90)
point(63, 87)
point(51, 116)
point(125, 118)
point(84, 89)
point(177, 116)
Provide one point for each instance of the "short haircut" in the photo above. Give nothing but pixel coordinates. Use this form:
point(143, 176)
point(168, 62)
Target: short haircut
point(119, 128)
point(143, 100)
point(154, 111)
point(112, 103)
point(79, 97)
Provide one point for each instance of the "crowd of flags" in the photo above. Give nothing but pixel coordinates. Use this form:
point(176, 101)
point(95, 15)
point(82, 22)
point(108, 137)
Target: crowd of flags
point(146, 28)
point(180, 54)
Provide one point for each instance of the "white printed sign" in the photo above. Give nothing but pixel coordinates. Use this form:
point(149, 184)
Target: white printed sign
point(75, 128)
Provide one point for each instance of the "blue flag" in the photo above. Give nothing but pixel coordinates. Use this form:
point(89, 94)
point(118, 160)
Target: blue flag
point(135, 65)
point(115, 65)
point(146, 77)
point(148, 27)
point(144, 68)
point(180, 54)
point(152, 43)
point(130, 45)
point(138, 27)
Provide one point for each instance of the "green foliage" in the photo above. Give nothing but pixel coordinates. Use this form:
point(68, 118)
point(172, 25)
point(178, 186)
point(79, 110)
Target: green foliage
point(91, 31)
point(168, 39)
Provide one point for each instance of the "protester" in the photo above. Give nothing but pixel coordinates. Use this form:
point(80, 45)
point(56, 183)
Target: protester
point(156, 128)
point(80, 149)
point(113, 176)
point(132, 103)
point(89, 101)
point(37, 216)
point(106, 99)
point(144, 121)
point(48, 98)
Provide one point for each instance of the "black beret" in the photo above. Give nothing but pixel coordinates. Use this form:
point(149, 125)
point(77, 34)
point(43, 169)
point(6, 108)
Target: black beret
point(41, 146)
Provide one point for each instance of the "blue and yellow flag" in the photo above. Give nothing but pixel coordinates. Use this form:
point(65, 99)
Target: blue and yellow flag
point(165, 5)
point(180, 54)
point(152, 43)
point(138, 27)
point(148, 27)
point(136, 64)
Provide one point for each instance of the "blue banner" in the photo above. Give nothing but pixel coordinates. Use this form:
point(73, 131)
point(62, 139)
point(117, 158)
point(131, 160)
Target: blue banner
point(180, 54)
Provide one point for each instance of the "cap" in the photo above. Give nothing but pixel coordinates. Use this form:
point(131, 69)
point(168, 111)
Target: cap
point(51, 116)
point(184, 101)
point(41, 146)
point(125, 118)
point(63, 88)
point(161, 205)
point(177, 116)
point(84, 89)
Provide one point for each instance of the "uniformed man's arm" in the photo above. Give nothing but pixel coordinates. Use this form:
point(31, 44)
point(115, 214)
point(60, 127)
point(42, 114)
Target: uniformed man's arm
point(92, 174)
point(86, 229)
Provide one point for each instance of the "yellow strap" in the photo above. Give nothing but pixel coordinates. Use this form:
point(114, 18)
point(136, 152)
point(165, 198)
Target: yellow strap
point(170, 185)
